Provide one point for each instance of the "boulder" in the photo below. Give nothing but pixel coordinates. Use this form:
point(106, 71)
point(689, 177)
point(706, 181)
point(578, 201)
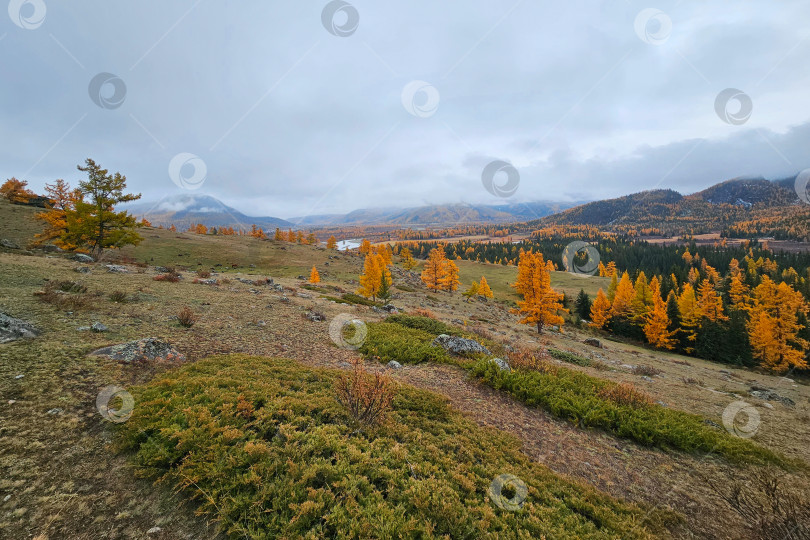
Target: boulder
point(116, 269)
point(459, 345)
point(6, 243)
point(82, 269)
point(12, 329)
point(50, 248)
point(142, 350)
point(501, 363)
point(393, 364)
point(314, 316)
point(390, 308)
point(769, 395)
point(98, 327)
point(593, 342)
point(82, 258)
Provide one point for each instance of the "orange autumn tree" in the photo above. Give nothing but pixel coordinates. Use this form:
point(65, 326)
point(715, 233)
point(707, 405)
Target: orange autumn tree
point(331, 243)
point(541, 303)
point(365, 247)
point(435, 272)
point(773, 328)
point(690, 316)
point(483, 288)
point(16, 192)
point(406, 257)
point(622, 304)
point(314, 276)
point(600, 310)
point(450, 281)
point(61, 199)
point(375, 272)
point(656, 327)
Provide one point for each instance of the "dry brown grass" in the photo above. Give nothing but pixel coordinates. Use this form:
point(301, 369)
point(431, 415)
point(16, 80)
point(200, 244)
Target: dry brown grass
point(531, 359)
point(203, 274)
point(171, 277)
point(65, 295)
point(649, 371)
point(626, 394)
point(424, 313)
point(186, 317)
point(366, 398)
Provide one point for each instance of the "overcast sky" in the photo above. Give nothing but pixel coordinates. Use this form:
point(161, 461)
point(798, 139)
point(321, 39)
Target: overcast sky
point(291, 111)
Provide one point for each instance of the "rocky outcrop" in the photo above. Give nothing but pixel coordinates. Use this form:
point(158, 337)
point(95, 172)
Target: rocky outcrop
point(82, 258)
point(459, 345)
point(12, 329)
point(142, 350)
point(6, 243)
point(501, 363)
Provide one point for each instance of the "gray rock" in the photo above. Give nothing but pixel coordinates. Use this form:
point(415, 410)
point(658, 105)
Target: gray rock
point(12, 329)
point(393, 364)
point(593, 342)
point(6, 243)
point(458, 322)
point(82, 269)
point(98, 327)
point(662, 403)
point(245, 281)
point(314, 316)
point(303, 295)
point(20, 376)
point(154, 530)
point(82, 258)
point(767, 405)
point(501, 363)
point(209, 281)
point(50, 248)
point(769, 395)
point(284, 299)
point(278, 287)
point(141, 350)
point(116, 269)
point(648, 379)
point(390, 308)
point(56, 411)
point(459, 345)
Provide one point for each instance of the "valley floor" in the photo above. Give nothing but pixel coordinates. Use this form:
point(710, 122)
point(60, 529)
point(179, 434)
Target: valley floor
point(59, 479)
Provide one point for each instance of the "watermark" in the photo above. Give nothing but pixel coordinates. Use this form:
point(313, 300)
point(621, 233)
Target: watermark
point(108, 91)
point(340, 18)
point(27, 14)
point(569, 258)
point(109, 393)
point(420, 99)
point(347, 332)
point(802, 185)
point(730, 417)
point(513, 484)
point(505, 189)
point(188, 171)
point(743, 112)
point(653, 26)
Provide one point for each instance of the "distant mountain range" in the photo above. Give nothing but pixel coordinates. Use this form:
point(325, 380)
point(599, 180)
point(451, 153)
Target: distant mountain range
point(186, 209)
point(756, 205)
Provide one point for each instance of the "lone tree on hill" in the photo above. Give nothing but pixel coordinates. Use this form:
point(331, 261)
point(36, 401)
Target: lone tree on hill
point(314, 276)
point(483, 288)
point(541, 303)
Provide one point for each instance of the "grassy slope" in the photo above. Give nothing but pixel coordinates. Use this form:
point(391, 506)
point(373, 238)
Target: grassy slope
point(265, 447)
point(18, 222)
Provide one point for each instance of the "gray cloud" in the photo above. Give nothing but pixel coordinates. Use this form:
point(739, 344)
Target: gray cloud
point(290, 119)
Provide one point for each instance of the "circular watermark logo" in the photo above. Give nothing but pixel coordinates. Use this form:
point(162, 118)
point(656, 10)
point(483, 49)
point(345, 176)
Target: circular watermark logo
point(347, 332)
point(108, 394)
point(27, 14)
point(188, 171)
point(340, 18)
point(653, 26)
point(725, 111)
point(108, 91)
point(575, 248)
point(731, 419)
point(502, 486)
point(420, 99)
point(802, 185)
point(505, 189)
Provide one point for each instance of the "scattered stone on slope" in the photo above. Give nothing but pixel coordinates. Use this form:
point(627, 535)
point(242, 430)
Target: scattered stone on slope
point(593, 342)
point(769, 395)
point(82, 269)
point(142, 350)
point(501, 363)
point(116, 269)
point(12, 329)
point(459, 345)
point(393, 364)
point(82, 258)
point(6, 243)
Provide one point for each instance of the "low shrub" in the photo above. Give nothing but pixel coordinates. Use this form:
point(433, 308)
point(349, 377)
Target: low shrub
point(429, 325)
point(118, 297)
point(64, 295)
point(625, 394)
point(171, 277)
point(405, 288)
point(569, 357)
point(649, 371)
point(352, 298)
point(585, 401)
point(367, 399)
point(203, 274)
point(422, 312)
point(268, 452)
point(389, 341)
point(187, 318)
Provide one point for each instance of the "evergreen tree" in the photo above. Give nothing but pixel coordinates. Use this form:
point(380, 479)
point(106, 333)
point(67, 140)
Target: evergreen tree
point(582, 305)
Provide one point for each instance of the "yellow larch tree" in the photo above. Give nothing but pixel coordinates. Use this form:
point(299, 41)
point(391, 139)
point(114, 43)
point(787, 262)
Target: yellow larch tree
point(314, 276)
point(709, 303)
point(622, 304)
point(365, 247)
point(773, 328)
point(690, 315)
point(600, 310)
point(656, 327)
point(450, 281)
point(483, 288)
point(541, 304)
point(331, 243)
point(435, 270)
point(374, 270)
point(408, 262)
